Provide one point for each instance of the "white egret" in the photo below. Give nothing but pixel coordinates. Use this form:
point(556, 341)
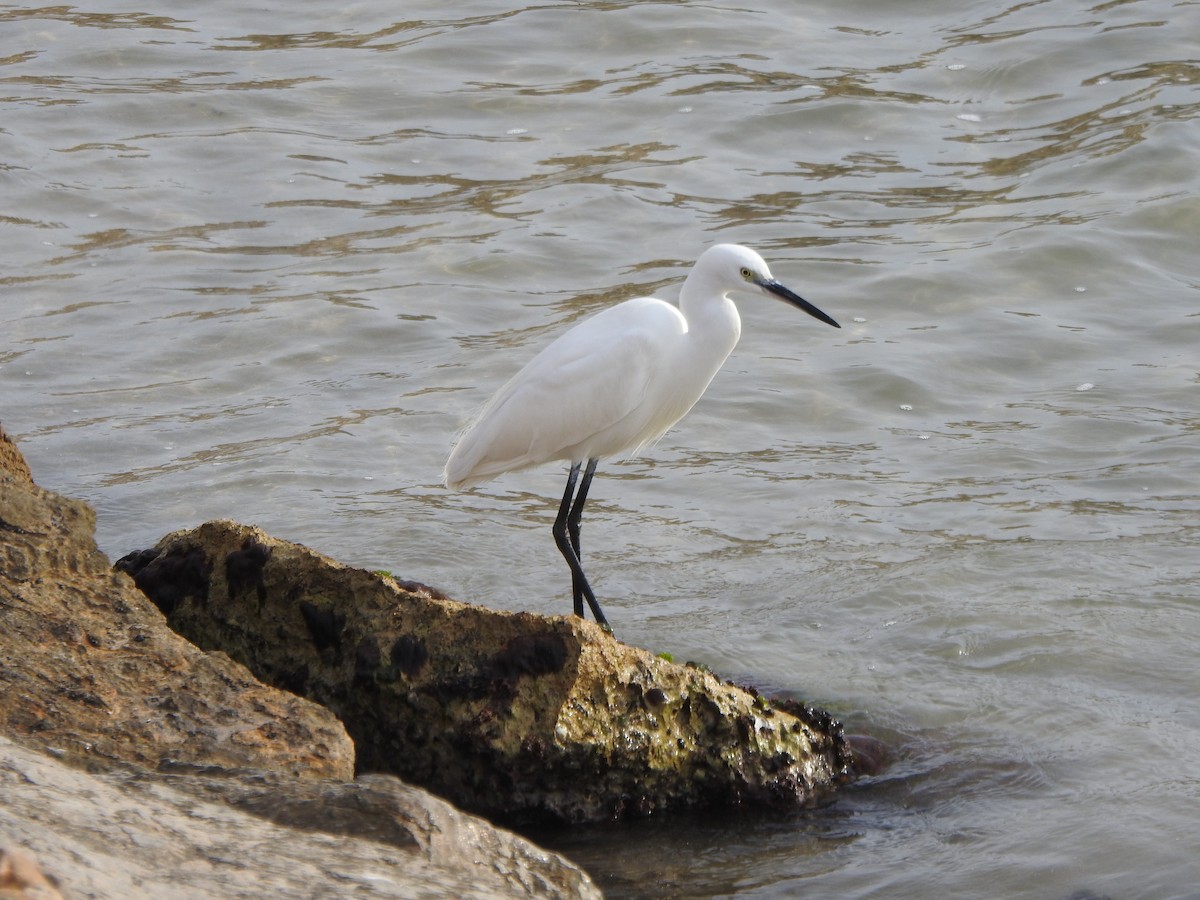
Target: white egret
point(611, 385)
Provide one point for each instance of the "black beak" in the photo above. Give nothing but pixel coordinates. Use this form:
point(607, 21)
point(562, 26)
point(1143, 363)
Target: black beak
point(796, 300)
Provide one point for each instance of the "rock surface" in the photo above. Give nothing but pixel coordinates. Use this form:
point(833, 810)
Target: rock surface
point(21, 878)
point(90, 669)
point(142, 766)
point(518, 717)
point(134, 834)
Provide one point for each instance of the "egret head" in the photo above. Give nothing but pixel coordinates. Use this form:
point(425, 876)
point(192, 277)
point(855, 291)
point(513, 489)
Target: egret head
point(741, 269)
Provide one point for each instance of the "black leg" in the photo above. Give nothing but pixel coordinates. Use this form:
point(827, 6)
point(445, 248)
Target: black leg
point(563, 524)
point(566, 531)
point(573, 530)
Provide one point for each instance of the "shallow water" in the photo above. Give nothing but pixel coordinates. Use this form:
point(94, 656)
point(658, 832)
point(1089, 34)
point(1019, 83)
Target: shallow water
point(263, 266)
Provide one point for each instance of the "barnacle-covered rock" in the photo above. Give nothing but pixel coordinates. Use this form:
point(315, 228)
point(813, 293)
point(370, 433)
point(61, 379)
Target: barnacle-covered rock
point(516, 716)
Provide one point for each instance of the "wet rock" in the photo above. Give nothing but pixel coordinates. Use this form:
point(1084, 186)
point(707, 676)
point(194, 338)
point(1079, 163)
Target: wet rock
point(89, 669)
point(139, 834)
point(871, 755)
point(519, 717)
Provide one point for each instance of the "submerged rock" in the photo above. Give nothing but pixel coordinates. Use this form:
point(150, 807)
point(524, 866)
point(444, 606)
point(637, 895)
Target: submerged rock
point(515, 716)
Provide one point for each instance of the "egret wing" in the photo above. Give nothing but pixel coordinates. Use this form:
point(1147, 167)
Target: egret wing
point(580, 397)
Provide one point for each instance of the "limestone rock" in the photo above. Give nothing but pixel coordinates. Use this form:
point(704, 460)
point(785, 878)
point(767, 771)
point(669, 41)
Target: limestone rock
point(137, 834)
point(89, 669)
point(516, 716)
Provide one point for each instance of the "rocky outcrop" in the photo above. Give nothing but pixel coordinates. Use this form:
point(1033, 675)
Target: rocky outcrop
point(142, 766)
point(90, 669)
point(134, 834)
point(515, 716)
point(135, 762)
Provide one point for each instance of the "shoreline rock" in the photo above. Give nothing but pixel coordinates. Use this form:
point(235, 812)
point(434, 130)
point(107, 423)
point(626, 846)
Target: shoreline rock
point(517, 717)
point(132, 763)
point(254, 835)
point(130, 755)
point(91, 672)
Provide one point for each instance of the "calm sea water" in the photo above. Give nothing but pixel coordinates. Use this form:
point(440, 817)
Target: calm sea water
point(263, 262)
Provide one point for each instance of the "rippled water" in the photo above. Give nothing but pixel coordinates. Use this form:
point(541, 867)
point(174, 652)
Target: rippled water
point(262, 264)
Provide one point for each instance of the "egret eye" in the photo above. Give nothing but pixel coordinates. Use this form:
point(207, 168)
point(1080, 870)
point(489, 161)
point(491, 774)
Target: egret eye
point(747, 274)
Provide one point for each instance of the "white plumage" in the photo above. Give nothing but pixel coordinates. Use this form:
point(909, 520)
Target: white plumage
point(613, 384)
